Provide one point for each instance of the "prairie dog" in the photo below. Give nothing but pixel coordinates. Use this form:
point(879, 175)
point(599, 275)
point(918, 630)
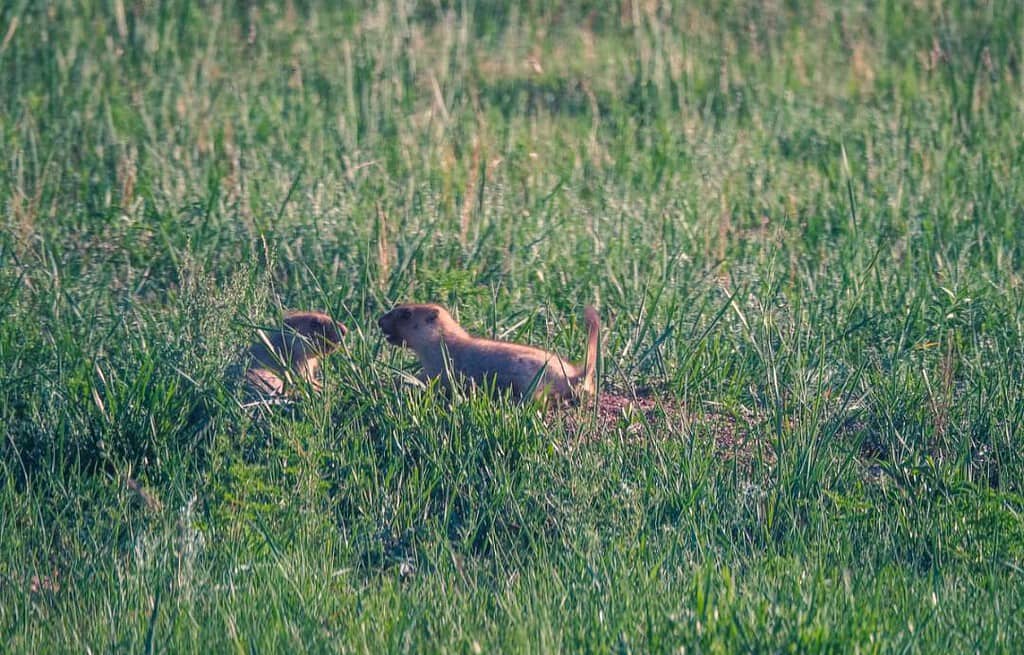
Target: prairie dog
point(296, 348)
point(430, 332)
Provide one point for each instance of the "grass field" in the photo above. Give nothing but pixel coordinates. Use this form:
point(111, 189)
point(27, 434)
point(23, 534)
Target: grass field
point(802, 222)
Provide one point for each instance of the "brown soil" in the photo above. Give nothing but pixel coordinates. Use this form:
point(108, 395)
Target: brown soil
point(645, 416)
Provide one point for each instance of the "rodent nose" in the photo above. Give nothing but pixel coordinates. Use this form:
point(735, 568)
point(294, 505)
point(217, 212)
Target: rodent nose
point(342, 330)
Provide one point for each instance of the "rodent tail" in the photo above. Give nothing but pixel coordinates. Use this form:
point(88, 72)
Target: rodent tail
point(593, 322)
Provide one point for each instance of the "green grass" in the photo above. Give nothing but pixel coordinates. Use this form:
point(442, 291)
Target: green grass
point(802, 224)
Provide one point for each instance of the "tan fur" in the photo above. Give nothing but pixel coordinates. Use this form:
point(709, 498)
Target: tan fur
point(294, 350)
point(431, 332)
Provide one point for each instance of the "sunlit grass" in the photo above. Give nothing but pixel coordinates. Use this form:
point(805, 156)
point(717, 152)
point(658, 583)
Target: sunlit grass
point(801, 225)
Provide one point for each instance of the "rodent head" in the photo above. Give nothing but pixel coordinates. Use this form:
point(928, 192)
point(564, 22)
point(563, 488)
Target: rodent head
point(322, 331)
point(417, 326)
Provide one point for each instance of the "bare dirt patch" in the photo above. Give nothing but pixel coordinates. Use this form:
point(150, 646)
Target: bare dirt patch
point(647, 415)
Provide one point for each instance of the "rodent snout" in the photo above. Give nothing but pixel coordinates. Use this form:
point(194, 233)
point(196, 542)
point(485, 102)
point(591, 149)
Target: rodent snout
point(388, 327)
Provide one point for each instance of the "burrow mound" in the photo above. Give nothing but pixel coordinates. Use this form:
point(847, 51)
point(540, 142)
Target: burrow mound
point(646, 415)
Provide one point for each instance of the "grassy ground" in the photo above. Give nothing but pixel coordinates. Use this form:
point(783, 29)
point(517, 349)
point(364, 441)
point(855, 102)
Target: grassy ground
point(802, 223)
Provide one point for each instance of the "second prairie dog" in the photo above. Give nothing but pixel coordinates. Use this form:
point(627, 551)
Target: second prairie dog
point(295, 349)
point(430, 331)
